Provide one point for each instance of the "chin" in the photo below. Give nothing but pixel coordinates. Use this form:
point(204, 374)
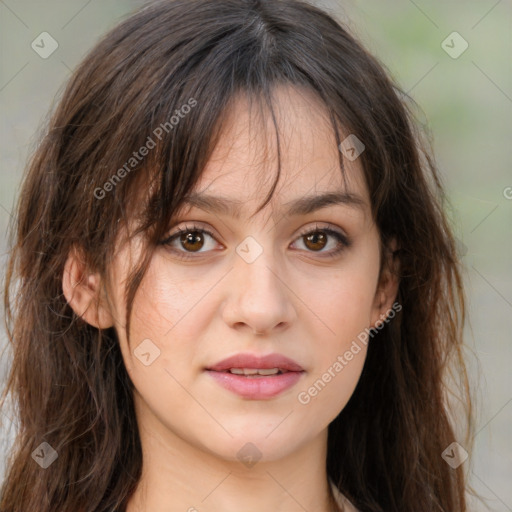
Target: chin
point(255, 443)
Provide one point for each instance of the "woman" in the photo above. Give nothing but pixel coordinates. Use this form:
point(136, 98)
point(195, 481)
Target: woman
point(236, 285)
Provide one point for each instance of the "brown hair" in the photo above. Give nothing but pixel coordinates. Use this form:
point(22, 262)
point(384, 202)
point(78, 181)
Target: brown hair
point(68, 378)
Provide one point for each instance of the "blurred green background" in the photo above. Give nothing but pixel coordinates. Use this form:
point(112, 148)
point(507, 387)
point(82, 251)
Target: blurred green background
point(466, 103)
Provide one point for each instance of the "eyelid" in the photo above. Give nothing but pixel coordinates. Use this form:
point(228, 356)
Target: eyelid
point(199, 225)
point(189, 226)
point(331, 229)
point(323, 226)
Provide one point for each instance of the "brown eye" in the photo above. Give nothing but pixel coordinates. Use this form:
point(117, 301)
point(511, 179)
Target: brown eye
point(192, 240)
point(189, 240)
point(316, 241)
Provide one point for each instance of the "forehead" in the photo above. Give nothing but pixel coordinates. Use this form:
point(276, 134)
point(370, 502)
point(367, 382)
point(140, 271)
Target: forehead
point(244, 163)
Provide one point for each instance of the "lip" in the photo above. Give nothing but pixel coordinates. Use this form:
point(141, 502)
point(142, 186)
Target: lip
point(254, 361)
point(256, 388)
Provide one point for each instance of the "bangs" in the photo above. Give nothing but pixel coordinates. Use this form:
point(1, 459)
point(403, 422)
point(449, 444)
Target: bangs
point(163, 109)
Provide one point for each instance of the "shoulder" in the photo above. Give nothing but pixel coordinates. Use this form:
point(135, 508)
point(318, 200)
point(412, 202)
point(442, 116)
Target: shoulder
point(343, 502)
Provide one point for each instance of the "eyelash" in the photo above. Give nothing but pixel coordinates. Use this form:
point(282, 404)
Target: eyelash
point(343, 240)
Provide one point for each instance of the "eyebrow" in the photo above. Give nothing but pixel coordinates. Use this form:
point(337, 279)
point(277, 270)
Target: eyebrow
point(301, 206)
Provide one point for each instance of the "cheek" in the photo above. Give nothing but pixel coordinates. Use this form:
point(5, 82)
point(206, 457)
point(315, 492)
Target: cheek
point(166, 299)
point(170, 310)
point(160, 356)
point(339, 353)
point(343, 304)
point(327, 392)
point(343, 300)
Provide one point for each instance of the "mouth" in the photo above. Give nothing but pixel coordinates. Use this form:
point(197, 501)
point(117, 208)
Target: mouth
point(256, 372)
point(255, 377)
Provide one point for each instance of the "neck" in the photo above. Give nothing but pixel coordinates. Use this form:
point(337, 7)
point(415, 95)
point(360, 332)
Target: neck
point(179, 476)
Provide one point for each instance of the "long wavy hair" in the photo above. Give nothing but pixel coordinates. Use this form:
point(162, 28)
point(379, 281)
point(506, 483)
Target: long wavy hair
point(68, 379)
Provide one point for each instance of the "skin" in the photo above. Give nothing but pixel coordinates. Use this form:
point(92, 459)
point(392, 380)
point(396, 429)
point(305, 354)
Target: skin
point(305, 306)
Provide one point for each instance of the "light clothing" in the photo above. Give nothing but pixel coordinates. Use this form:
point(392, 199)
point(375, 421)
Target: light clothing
point(342, 502)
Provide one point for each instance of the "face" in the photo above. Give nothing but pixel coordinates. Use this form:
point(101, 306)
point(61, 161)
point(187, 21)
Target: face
point(284, 291)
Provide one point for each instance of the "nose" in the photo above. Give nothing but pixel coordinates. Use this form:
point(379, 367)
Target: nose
point(259, 300)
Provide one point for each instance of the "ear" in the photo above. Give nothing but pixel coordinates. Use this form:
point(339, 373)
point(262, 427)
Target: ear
point(387, 288)
point(84, 292)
